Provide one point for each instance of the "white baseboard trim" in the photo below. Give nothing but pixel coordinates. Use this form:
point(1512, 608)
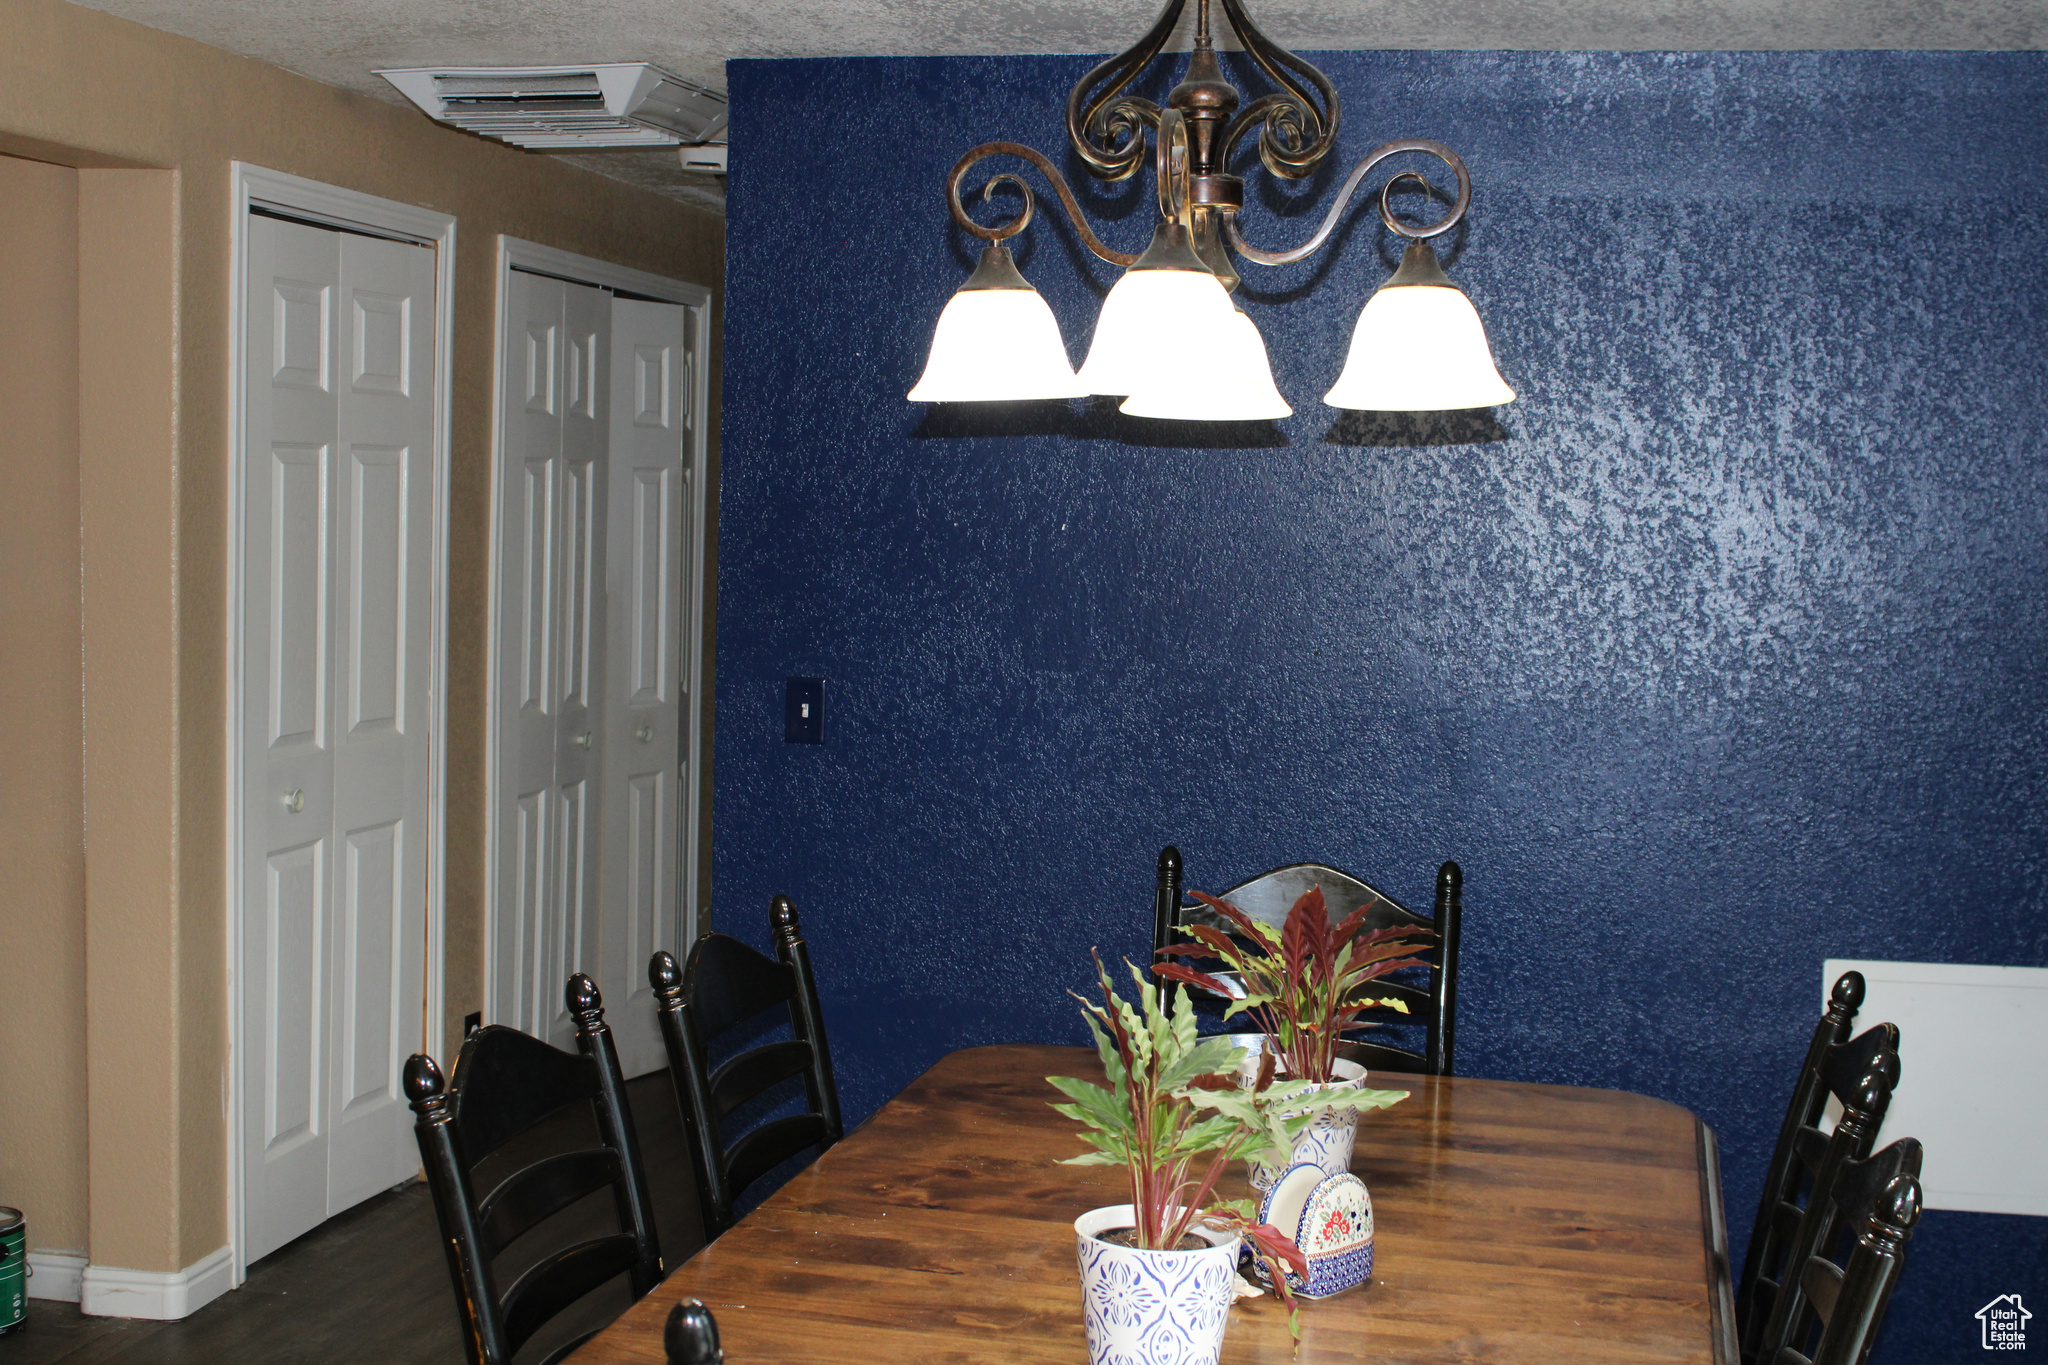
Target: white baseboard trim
point(54, 1275)
point(111, 1292)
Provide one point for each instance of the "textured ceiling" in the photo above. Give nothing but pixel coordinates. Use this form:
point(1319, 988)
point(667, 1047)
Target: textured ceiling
point(342, 41)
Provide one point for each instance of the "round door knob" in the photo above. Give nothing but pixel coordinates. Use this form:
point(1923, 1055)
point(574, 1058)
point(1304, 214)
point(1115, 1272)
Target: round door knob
point(583, 740)
point(645, 732)
point(294, 802)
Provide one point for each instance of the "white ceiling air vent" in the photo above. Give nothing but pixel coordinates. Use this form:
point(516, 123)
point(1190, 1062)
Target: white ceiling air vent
point(626, 104)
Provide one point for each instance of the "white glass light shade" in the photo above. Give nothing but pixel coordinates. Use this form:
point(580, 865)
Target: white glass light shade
point(996, 345)
point(1146, 323)
point(1234, 383)
point(1419, 348)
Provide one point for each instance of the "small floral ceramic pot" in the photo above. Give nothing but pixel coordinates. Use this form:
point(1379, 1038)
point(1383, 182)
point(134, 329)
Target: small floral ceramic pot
point(1330, 1219)
point(1153, 1307)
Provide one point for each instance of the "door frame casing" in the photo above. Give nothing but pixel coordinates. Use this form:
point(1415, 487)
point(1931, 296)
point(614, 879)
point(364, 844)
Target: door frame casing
point(348, 210)
point(533, 257)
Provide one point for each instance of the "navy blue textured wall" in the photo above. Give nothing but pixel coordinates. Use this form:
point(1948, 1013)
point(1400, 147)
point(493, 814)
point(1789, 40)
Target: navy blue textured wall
point(1718, 654)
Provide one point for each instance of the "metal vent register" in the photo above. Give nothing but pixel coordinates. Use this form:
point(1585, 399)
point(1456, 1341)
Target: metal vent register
point(627, 104)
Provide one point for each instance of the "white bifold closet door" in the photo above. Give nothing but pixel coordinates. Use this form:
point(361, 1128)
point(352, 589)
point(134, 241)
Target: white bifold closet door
point(588, 675)
point(550, 663)
point(336, 522)
point(643, 689)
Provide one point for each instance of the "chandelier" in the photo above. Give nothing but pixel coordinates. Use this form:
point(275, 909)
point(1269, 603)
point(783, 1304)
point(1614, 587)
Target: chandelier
point(1170, 341)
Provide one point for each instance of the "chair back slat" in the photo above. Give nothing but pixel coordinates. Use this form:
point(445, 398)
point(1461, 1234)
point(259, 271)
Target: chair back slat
point(1843, 1068)
point(561, 1278)
point(750, 1073)
point(763, 1149)
point(1821, 1282)
point(505, 1083)
point(1374, 1056)
point(1270, 895)
point(1862, 1183)
point(733, 983)
point(540, 1191)
point(1419, 1002)
point(725, 983)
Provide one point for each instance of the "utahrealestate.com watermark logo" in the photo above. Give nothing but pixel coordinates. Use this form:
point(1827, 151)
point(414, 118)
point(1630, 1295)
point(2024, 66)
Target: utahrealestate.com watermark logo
point(2005, 1323)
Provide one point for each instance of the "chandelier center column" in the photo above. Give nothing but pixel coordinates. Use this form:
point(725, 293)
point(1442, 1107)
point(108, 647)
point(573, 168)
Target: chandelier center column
point(1208, 102)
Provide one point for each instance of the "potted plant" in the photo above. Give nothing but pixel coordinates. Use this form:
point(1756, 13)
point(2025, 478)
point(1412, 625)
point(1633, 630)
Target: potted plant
point(1158, 1273)
point(1305, 985)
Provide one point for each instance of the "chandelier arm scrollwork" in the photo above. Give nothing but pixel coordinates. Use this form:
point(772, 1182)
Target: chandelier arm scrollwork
point(1297, 128)
point(1016, 225)
point(1107, 127)
point(1351, 184)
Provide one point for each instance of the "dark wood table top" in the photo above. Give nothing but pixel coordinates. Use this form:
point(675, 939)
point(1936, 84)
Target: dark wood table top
point(1513, 1223)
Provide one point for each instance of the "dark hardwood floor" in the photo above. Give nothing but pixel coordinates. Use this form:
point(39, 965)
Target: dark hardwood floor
point(371, 1285)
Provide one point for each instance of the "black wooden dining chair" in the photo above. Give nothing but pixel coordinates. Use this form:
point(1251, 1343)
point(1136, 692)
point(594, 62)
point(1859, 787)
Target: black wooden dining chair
point(1844, 1296)
point(1844, 1072)
point(1830, 1157)
point(1270, 895)
point(725, 985)
point(1780, 1203)
point(505, 1082)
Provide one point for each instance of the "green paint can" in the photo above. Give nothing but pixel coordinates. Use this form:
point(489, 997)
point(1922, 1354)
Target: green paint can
point(13, 1270)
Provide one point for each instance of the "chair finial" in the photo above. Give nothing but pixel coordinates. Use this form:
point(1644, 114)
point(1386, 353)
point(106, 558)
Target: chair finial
point(1169, 861)
point(1899, 1206)
point(691, 1336)
point(584, 1001)
point(1450, 880)
point(782, 916)
point(663, 974)
point(1876, 1086)
point(425, 1087)
point(1847, 996)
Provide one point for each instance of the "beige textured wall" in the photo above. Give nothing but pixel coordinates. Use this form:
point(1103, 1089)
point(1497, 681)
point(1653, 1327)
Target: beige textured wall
point(42, 810)
point(148, 1053)
point(85, 89)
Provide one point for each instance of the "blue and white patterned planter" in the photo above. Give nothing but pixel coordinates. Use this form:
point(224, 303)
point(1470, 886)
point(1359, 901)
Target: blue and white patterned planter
point(1326, 1142)
point(1330, 1219)
point(1153, 1307)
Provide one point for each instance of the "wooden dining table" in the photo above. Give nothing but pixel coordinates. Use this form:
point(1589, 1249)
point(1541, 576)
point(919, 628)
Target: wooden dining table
point(1515, 1224)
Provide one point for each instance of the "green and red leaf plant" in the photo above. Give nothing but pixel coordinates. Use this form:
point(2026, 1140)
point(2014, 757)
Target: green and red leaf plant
point(1175, 1115)
point(1304, 984)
